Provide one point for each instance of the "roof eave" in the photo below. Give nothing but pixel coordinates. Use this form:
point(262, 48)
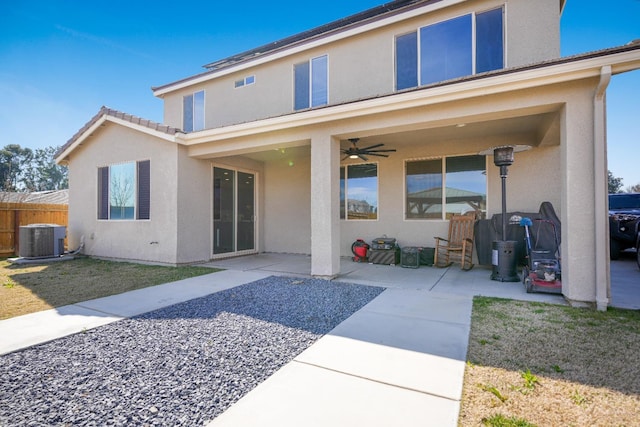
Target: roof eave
point(99, 121)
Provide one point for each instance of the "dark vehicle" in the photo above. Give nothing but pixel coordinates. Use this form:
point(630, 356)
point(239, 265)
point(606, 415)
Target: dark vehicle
point(624, 222)
point(638, 250)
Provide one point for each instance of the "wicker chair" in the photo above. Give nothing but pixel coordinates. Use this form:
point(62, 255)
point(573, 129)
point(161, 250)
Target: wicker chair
point(459, 246)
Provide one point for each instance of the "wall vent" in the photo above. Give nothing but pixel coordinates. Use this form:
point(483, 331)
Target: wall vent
point(42, 240)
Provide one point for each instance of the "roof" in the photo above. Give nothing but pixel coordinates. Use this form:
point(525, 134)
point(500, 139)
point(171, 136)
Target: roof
point(51, 197)
point(106, 113)
point(319, 31)
point(369, 15)
point(340, 25)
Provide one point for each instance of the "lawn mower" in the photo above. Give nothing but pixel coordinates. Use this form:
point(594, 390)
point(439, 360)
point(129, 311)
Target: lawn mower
point(542, 273)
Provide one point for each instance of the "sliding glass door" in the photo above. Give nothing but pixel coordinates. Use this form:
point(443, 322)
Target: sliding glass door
point(234, 214)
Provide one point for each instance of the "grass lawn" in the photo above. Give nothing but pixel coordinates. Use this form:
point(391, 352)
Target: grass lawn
point(533, 364)
point(29, 288)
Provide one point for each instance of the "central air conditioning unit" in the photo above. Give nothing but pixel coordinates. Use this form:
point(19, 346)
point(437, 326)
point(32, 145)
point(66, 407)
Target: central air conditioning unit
point(42, 240)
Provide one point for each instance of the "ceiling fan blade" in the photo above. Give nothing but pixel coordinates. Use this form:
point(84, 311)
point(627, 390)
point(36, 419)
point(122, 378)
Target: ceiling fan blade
point(379, 155)
point(380, 151)
point(371, 146)
point(363, 157)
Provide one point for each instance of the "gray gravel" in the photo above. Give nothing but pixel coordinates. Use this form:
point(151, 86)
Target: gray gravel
point(180, 365)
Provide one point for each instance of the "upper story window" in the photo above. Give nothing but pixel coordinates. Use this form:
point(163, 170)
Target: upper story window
point(124, 191)
point(249, 80)
point(193, 112)
point(311, 83)
point(457, 47)
point(439, 188)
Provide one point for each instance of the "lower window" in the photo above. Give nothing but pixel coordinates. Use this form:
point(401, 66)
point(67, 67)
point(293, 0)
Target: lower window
point(359, 191)
point(124, 191)
point(439, 188)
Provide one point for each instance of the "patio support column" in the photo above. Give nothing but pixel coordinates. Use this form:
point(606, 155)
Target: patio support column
point(603, 276)
point(580, 238)
point(325, 204)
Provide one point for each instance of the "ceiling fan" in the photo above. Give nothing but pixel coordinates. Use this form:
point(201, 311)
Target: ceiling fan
point(354, 151)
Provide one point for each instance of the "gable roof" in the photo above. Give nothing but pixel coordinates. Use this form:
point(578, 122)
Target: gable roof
point(115, 116)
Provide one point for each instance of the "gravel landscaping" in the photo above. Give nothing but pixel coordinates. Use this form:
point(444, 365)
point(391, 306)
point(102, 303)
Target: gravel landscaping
point(180, 365)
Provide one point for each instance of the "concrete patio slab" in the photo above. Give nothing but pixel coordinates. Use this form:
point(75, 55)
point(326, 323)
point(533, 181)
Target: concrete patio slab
point(423, 304)
point(304, 395)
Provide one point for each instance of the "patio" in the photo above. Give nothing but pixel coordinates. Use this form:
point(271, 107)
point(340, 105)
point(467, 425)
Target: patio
point(452, 280)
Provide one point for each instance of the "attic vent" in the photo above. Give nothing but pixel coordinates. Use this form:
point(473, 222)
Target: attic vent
point(42, 240)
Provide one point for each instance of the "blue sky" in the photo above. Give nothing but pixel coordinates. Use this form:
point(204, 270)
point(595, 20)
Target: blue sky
point(61, 60)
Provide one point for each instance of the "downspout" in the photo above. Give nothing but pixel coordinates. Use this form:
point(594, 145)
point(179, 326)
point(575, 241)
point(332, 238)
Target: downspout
point(601, 191)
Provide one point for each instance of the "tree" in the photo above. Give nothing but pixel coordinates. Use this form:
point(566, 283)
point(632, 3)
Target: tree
point(615, 184)
point(14, 161)
point(633, 189)
point(43, 173)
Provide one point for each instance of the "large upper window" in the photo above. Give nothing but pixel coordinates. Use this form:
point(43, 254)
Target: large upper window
point(193, 112)
point(311, 87)
point(445, 50)
point(359, 191)
point(124, 191)
point(439, 188)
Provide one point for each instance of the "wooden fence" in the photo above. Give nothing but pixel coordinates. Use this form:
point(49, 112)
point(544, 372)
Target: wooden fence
point(14, 215)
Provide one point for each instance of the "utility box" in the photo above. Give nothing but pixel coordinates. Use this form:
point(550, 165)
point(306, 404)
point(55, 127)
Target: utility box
point(42, 240)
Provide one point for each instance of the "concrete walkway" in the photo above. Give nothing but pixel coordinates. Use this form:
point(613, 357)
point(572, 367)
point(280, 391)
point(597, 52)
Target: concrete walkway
point(398, 361)
point(36, 328)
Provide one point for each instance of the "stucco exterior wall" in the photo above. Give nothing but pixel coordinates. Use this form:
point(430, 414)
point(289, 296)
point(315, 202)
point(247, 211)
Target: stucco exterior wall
point(362, 65)
point(143, 240)
point(533, 29)
point(287, 202)
point(193, 206)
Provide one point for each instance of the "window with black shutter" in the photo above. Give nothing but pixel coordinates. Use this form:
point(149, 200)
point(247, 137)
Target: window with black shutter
point(124, 191)
point(144, 189)
point(103, 193)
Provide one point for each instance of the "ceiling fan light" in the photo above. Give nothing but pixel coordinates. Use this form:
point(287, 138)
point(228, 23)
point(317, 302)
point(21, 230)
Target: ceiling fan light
point(353, 156)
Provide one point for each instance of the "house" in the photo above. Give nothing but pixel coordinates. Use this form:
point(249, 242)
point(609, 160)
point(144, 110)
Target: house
point(249, 157)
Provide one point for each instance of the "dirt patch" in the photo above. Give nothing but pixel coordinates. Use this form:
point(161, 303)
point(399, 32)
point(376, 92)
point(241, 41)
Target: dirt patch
point(29, 288)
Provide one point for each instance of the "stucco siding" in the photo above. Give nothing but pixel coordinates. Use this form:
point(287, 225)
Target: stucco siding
point(287, 216)
point(193, 182)
point(144, 240)
point(362, 65)
point(533, 29)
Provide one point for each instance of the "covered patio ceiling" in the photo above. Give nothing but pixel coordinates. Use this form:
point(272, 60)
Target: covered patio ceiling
point(540, 128)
